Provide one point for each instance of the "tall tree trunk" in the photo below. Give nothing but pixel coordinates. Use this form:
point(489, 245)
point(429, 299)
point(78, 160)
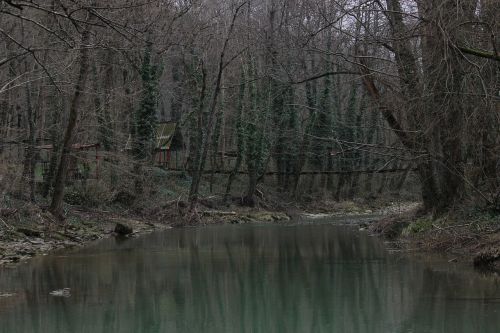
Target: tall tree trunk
point(29, 158)
point(215, 146)
point(240, 136)
point(303, 157)
point(55, 139)
point(56, 206)
point(248, 199)
point(489, 119)
point(445, 71)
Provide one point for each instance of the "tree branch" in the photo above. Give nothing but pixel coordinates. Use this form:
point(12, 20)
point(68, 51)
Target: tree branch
point(319, 76)
point(15, 5)
point(479, 53)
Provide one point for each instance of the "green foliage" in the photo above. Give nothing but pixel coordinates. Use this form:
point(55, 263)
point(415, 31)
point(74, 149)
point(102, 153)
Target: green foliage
point(145, 116)
point(240, 124)
point(195, 118)
point(291, 140)
point(322, 127)
point(420, 225)
point(482, 218)
point(219, 117)
point(257, 142)
point(257, 148)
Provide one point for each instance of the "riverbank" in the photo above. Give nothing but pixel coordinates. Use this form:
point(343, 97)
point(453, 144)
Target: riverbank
point(29, 230)
point(32, 231)
point(249, 276)
point(471, 237)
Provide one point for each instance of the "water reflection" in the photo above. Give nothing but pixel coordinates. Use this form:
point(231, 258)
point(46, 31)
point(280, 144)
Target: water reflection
point(266, 279)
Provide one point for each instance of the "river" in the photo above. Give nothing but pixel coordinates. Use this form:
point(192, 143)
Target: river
point(309, 277)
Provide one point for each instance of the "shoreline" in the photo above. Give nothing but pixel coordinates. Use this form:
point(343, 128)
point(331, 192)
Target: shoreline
point(394, 224)
point(474, 241)
point(19, 244)
point(31, 231)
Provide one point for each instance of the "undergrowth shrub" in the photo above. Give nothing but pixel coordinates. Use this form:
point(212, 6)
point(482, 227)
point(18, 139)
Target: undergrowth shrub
point(92, 194)
point(422, 224)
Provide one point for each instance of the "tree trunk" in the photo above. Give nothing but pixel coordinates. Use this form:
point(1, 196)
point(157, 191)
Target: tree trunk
point(56, 206)
point(445, 70)
point(249, 199)
point(55, 140)
point(240, 136)
point(232, 177)
point(29, 158)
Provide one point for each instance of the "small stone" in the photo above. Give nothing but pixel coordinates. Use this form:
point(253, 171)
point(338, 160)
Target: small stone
point(123, 229)
point(37, 241)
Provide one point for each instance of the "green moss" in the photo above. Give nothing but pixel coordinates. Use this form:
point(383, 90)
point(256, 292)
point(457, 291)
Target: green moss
point(422, 224)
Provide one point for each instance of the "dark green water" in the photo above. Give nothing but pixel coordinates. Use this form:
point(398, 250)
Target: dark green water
point(305, 278)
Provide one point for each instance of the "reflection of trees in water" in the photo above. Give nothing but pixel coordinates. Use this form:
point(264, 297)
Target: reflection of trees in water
point(240, 279)
point(451, 303)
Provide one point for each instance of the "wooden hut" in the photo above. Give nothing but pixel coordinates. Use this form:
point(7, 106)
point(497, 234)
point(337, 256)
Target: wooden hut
point(168, 146)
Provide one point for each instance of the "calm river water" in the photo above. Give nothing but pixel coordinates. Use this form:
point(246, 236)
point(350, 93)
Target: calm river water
point(246, 278)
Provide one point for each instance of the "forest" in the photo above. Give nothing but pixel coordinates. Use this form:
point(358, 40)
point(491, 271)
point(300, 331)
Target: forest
point(224, 165)
point(158, 100)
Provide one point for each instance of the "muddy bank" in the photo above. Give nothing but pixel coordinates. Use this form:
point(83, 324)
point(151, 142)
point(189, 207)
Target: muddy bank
point(22, 238)
point(473, 238)
point(28, 232)
point(31, 231)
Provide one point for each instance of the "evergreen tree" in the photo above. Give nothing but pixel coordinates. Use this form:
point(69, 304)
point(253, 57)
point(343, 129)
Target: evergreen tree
point(145, 116)
point(257, 142)
point(144, 129)
point(240, 135)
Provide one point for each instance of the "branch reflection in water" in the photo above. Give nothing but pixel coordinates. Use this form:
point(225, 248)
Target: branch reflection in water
point(305, 278)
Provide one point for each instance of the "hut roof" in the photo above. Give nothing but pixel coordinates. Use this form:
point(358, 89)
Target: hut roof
point(164, 134)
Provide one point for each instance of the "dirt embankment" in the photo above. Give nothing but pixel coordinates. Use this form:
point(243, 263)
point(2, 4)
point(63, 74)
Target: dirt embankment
point(33, 231)
point(467, 237)
point(29, 230)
